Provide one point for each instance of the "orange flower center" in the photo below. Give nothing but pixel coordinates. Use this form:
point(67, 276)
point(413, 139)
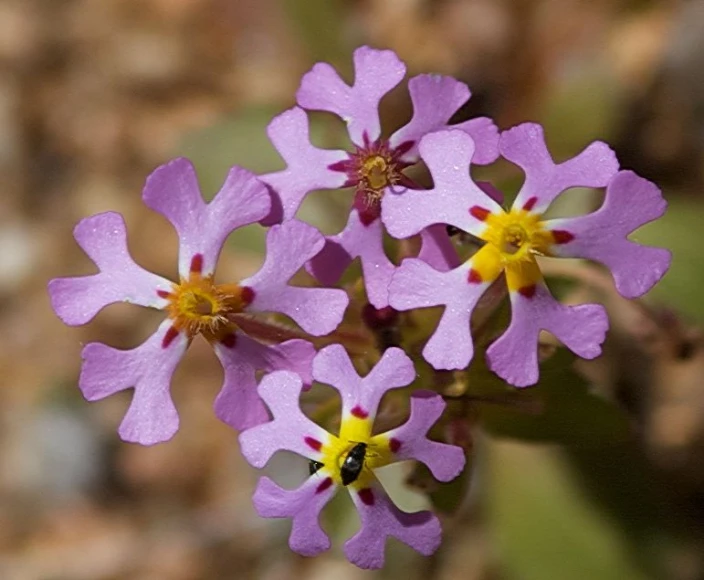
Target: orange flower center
point(198, 306)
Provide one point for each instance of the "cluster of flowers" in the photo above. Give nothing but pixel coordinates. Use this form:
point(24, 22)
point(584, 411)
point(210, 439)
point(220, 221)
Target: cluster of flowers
point(386, 200)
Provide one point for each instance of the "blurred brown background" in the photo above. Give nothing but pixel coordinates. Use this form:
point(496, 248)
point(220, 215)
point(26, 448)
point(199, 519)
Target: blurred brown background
point(96, 93)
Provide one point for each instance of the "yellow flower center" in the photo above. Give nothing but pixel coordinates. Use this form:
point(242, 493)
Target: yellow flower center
point(517, 234)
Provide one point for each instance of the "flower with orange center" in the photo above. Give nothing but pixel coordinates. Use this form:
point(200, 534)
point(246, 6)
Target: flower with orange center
point(196, 304)
point(199, 306)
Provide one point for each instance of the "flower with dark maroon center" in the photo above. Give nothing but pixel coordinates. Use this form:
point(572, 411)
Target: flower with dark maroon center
point(371, 169)
point(375, 167)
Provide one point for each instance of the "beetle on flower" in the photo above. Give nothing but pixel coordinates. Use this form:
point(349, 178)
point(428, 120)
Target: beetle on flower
point(350, 458)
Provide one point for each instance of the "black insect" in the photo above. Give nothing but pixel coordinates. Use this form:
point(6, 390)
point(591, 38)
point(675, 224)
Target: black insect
point(452, 230)
point(314, 466)
point(353, 463)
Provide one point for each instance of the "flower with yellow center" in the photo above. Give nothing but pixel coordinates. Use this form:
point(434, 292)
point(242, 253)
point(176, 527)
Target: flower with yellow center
point(349, 459)
point(513, 240)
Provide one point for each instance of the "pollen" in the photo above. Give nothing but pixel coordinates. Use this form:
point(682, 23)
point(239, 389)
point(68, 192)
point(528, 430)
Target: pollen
point(198, 306)
point(513, 239)
point(376, 173)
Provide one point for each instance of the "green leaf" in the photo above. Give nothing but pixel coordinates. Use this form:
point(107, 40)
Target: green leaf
point(561, 408)
point(545, 527)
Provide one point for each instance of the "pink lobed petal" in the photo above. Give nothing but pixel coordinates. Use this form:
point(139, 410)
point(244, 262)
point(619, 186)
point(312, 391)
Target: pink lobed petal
point(307, 166)
point(382, 519)
point(288, 430)
point(361, 241)
point(437, 249)
point(103, 238)
point(514, 355)
point(485, 135)
point(435, 99)
point(151, 417)
point(303, 506)
point(238, 403)
point(376, 72)
point(525, 146)
point(630, 202)
point(290, 245)
point(444, 461)
point(333, 367)
point(173, 191)
point(447, 155)
point(416, 285)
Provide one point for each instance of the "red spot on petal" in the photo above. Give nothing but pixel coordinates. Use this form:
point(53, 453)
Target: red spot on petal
point(474, 277)
point(394, 445)
point(326, 483)
point(229, 340)
point(530, 204)
point(169, 337)
point(404, 147)
point(247, 295)
point(562, 236)
point(314, 444)
point(358, 412)
point(368, 217)
point(527, 291)
point(481, 213)
point(366, 495)
point(197, 264)
point(163, 293)
point(342, 166)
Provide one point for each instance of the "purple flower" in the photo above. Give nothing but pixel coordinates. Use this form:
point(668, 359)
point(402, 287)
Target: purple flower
point(349, 459)
point(195, 304)
point(375, 166)
point(513, 239)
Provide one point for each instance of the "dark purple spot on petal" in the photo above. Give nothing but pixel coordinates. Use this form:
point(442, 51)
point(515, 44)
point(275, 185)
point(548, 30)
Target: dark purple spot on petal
point(197, 264)
point(530, 204)
point(562, 236)
point(404, 148)
point(314, 444)
point(343, 166)
point(358, 412)
point(480, 213)
point(394, 444)
point(229, 340)
point(368, 215)
point(169, 337)
point(474, 277)
point(367, 496)
point(247, 295)
point(163, 294)
point(326, 483)
point(527, 291)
